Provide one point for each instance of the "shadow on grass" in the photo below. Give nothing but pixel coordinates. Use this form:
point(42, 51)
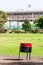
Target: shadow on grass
point(14, 59)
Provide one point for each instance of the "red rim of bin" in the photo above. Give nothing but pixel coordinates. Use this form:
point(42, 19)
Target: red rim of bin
point(26, 44)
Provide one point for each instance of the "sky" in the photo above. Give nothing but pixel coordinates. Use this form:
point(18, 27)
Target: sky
point(19, 5)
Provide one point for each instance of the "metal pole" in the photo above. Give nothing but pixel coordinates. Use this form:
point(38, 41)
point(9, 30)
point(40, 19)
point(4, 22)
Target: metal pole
point(27, 56)
point(19, 54)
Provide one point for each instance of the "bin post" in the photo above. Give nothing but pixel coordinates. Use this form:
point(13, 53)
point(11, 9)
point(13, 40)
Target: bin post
point(27, 56)
point(19, 54)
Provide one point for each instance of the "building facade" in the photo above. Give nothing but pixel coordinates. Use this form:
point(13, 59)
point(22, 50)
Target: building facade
point(22, 15)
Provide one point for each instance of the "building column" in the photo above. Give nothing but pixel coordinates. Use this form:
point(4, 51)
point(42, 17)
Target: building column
point(17, 23)
point(10, 24)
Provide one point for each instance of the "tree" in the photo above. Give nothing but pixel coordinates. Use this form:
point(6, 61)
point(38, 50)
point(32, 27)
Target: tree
point(34, 28)
point(39, 22)
point(3, 18)
point(26, 25)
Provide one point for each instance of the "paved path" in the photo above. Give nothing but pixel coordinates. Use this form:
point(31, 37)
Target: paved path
point(13, 60)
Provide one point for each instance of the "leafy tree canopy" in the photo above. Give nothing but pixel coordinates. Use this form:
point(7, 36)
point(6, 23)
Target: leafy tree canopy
point(3, 17)
point(39, 22)
point(26, 25)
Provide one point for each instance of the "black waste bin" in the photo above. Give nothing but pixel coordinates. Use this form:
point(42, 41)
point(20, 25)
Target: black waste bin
point(27, 48)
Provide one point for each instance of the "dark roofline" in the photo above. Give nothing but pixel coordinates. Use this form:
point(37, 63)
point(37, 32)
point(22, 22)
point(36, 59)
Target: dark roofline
point(14, 12)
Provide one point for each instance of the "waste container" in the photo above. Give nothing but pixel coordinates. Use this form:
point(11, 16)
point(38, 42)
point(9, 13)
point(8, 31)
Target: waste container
point(27, 48)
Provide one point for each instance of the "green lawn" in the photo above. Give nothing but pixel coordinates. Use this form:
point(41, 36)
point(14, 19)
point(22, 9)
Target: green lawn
point(9, 43)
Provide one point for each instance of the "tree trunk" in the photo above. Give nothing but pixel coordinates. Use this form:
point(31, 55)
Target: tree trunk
point(25, 31)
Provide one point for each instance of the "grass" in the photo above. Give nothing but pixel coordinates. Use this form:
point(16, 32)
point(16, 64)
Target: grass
point(9, 43)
